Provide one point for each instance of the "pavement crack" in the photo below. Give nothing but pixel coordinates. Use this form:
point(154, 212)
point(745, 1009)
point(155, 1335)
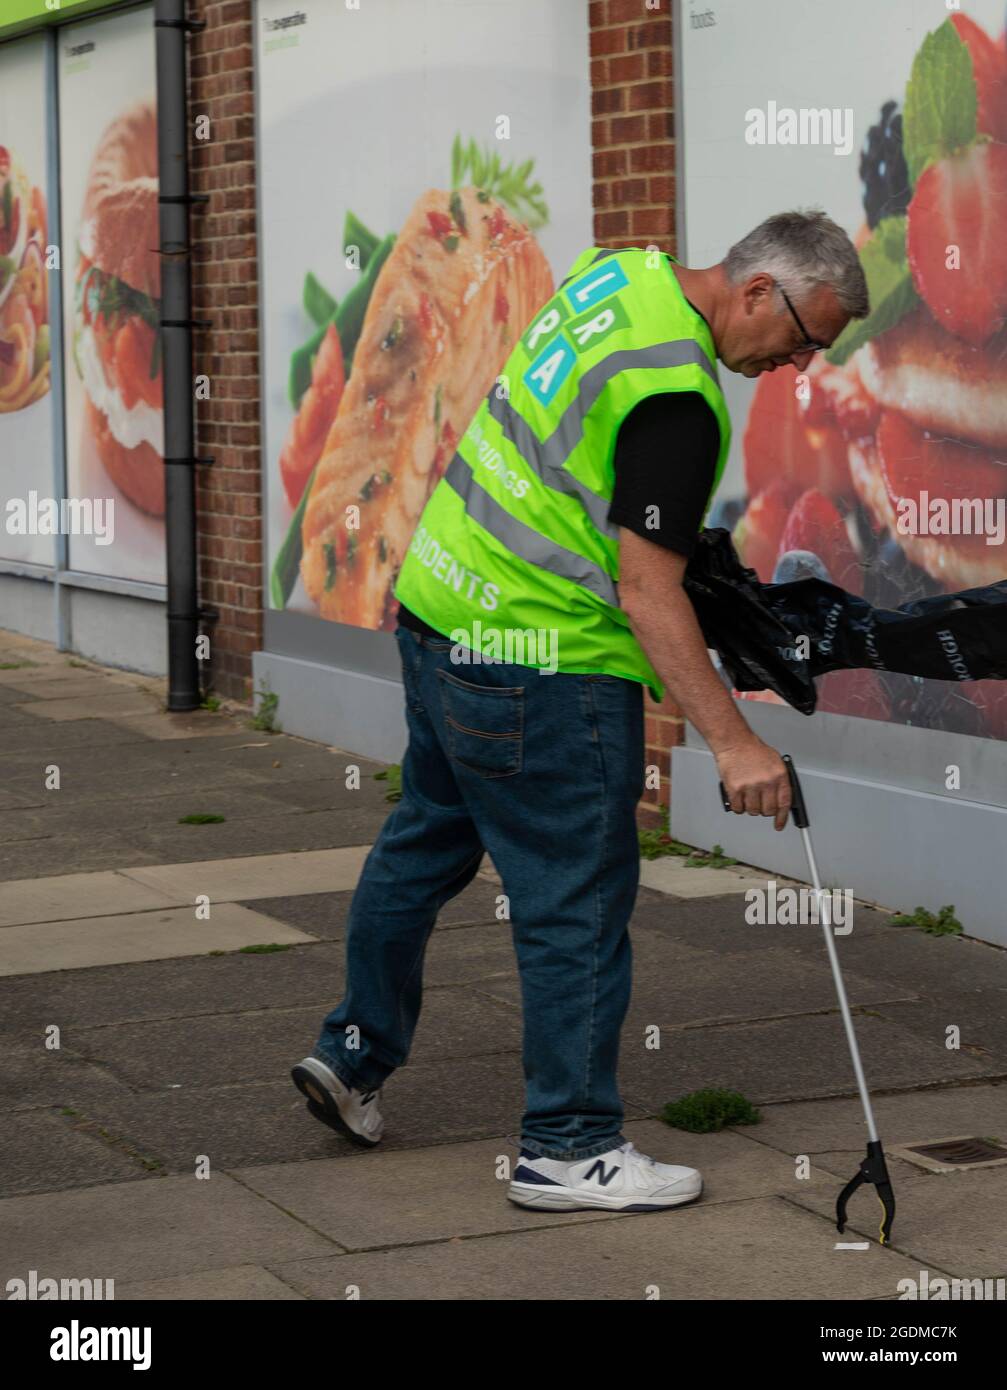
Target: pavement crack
point(83, 1124)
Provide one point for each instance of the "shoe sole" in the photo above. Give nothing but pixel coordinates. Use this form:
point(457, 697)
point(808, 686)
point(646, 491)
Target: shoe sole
point(566, 1199)
point(322, 1105)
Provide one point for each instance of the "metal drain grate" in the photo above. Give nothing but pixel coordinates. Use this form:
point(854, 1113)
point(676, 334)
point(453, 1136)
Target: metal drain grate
point(960, 1153)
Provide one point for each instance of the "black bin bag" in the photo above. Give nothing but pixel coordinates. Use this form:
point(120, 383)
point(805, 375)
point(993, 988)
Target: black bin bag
point(756, 628)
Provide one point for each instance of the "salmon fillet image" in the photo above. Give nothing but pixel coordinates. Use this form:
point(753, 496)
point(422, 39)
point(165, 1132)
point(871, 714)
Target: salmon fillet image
point(460, 284)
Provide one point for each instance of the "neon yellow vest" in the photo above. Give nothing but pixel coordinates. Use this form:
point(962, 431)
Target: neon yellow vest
point(515, 537)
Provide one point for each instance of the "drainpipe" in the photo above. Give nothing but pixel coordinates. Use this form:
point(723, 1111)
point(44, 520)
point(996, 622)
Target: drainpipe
point(177, 324)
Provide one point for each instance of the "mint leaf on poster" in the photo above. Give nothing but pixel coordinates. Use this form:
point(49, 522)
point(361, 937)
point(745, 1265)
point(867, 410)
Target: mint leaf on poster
point(889, 284)
point(940, 107)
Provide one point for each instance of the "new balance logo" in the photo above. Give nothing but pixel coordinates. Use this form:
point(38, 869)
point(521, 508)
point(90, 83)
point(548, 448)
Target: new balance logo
point(603, 1177)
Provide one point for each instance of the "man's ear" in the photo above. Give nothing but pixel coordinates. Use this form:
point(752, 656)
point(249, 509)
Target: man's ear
point(758, 290)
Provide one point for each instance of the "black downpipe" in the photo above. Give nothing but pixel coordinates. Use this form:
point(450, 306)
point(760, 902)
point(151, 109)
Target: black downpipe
point(177, 324)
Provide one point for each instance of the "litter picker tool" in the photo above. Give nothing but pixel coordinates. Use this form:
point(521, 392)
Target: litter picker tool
point(872, 1168)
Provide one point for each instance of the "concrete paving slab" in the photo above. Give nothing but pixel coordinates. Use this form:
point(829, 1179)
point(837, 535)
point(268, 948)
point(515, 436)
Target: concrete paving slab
point(10, 800)
point(268, 833)
point(279, 759)
point(236, 880)
point(673, 986)
point(92, 789)
point(96, 705)
point(14, 718)
point(14, 664)
point(471, 957)
point(325, 914)
point(49, 856)
point(259, 1044)
point(256, 1123)
point(82, 744)
point(158, 935)
point(178, 988)
point(34, 1075)
point(787, 1059)
point(670, 875)
point(311, 975)
point(43, 1151)
point(330, 793)
point(717, 923)
point(943, 1221)
point(164, 725)
point(477, 904)
point(66, 896)
point(935, 965)
point(70, 684)
point(760, 1249)
point(148, 1230)
point(454, 1190)
point(234, 1125)
point(56, 815)
point(242, 1283)
point(405, 1198)
point(980, 1014)
point(909, 1118)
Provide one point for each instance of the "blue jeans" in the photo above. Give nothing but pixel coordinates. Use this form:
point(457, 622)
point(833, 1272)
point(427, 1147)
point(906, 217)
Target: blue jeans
point(544, 771)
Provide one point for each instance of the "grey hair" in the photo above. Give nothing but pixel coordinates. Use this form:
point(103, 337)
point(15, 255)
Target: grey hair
point(802, 250)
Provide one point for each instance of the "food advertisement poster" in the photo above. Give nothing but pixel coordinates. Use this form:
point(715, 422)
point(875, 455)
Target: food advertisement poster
point(111, 293)
point(26, 402)
point(425, 182)
point(886, 470)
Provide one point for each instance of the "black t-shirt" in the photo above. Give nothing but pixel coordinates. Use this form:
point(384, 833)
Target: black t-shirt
point(665, 458)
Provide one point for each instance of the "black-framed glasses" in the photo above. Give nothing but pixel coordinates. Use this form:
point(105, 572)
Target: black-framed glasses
point(809, 344)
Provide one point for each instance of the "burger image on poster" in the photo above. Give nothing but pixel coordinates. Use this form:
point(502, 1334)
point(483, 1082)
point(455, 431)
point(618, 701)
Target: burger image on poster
point(26, 402)
point(116, 341)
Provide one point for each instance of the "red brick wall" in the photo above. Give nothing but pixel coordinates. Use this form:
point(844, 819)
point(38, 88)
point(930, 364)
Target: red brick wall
point(225, 291)
point(633, 140)
point(632, 136)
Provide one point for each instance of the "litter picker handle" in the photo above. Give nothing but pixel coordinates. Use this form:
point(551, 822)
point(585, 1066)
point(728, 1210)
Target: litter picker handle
point(797, 807)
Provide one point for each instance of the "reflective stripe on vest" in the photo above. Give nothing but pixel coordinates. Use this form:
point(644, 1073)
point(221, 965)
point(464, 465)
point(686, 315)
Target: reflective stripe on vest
point(547, 458)
point(523, 540)
point(518, 525)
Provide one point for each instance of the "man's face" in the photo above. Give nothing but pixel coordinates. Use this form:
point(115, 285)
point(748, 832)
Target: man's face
point(762, 334)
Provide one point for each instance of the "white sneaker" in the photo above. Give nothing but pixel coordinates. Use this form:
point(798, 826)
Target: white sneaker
point(353, 1113)
point(623, 1179)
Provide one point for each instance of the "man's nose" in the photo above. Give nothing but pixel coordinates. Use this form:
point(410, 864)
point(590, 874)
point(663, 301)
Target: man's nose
point(801, 360)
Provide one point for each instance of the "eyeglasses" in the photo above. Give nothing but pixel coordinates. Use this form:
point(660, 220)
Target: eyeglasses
point(809, 344)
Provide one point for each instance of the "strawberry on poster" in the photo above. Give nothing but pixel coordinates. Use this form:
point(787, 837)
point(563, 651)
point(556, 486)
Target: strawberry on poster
point(885, 467)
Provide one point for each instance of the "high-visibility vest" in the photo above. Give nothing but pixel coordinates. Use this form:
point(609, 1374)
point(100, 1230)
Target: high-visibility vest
point(515, 537)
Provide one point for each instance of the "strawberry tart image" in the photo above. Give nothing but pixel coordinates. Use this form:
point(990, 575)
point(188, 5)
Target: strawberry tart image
point(856, 470)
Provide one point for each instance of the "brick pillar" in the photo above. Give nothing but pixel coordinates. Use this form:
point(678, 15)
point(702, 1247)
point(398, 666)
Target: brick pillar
point(633, 139)
point(225, 291)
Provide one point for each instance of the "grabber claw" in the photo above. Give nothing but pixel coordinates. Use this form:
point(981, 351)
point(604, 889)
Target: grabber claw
point(872, 1170)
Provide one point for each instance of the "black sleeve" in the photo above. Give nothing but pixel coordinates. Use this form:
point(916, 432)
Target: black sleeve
point(666, 457)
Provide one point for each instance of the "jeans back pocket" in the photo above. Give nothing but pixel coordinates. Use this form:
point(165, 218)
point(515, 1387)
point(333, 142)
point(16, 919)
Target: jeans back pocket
point(484, 725)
